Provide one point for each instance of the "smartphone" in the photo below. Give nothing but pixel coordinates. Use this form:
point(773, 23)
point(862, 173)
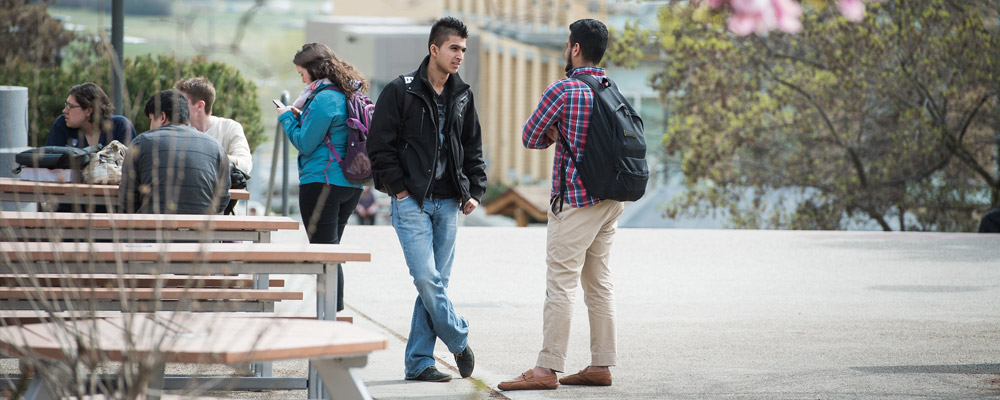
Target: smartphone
point(277, 103)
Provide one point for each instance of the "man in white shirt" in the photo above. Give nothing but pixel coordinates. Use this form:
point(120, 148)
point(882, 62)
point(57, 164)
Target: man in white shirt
point(200, 95)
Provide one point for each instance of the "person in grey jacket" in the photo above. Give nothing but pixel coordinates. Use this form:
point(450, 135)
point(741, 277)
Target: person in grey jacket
point(173, 168)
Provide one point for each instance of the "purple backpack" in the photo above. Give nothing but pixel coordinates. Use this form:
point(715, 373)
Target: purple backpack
point(355, 164)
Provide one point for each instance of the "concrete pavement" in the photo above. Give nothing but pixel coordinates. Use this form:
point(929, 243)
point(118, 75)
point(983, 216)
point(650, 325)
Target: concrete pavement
point(714, 314)
point(703, 314)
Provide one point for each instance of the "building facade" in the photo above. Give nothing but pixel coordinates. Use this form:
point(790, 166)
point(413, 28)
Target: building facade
point(516, 50)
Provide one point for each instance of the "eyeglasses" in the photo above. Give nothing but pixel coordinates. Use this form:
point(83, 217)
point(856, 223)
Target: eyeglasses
point(71, 106)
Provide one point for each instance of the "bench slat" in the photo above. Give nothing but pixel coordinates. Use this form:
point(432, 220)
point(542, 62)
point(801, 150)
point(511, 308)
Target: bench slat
point(24, 317)
point(182, 252)
point(132, 280)
point(30, 219)
point(63, 293)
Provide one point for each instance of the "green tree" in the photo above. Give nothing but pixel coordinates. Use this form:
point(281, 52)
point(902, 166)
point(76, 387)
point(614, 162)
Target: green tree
point(29, 34)
point(894, 120)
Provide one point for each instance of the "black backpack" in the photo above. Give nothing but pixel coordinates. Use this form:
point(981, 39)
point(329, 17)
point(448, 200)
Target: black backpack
point(614, 164)
point(54, 157)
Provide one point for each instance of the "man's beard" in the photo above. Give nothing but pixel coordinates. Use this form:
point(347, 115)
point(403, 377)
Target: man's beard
point(569, 63)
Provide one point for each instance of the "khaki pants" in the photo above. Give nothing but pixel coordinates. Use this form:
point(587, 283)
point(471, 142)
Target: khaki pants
point(578, 247)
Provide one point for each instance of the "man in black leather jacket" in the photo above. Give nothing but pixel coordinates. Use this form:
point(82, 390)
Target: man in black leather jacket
point(426, 151)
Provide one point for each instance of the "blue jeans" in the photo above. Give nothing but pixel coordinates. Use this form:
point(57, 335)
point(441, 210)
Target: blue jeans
point(427, 237)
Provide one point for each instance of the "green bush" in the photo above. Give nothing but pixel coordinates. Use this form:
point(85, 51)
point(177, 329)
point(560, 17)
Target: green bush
point(144, 75)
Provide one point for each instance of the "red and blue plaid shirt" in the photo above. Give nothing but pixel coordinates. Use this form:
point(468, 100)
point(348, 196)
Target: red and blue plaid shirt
point(567, 104)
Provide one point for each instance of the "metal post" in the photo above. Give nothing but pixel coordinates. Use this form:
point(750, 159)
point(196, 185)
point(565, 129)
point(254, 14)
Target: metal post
point(284, 167)
point(280, 139)
point(278, 133)
point(13, 133)
point(117, 41)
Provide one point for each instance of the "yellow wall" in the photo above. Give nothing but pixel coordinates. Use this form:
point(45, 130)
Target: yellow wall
point(512, 74)
point(535, 15)
point(420, 10)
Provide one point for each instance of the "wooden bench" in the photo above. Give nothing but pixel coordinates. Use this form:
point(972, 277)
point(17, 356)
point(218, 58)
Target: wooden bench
point(45, 226)
point(143, 397)
point(134, 280)
point(55, 227)
point(333, 348)
point(320, 260)
point(55, 193)
point(24, 317)
point(140, 293)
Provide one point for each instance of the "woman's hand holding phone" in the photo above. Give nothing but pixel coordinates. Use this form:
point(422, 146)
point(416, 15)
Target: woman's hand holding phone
point(283, 108)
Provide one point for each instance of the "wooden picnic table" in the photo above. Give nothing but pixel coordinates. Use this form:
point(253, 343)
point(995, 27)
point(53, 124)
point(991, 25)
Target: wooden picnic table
point(21, 191)
point(55, 227)
point(333, 348)
point(50, 226)
point(191, 259)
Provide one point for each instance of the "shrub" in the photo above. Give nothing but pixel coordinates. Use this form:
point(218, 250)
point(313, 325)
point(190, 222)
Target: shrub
point(144, 75)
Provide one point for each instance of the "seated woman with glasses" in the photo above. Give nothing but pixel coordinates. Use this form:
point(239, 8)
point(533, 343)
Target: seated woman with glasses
point(87, 120)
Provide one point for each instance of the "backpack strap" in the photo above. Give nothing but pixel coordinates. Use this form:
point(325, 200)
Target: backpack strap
point(316, 92)
point(564, 170)
point(592, 83)
point(407, 98)
point(333, 155)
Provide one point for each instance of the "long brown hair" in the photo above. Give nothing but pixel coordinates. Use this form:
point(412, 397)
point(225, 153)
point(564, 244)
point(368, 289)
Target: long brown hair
point(321, 62)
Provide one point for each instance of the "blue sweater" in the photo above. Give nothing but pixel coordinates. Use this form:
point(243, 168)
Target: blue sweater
point(62, 135)
point(326, 113)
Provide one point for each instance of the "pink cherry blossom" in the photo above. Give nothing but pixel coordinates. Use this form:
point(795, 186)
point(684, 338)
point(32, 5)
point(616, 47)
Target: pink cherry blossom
point(853, 10)
point(762, 16)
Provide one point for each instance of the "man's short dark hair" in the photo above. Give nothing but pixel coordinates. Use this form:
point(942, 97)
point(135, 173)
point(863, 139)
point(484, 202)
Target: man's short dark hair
point(171, 102)
point(592, 35)
point(445, 27)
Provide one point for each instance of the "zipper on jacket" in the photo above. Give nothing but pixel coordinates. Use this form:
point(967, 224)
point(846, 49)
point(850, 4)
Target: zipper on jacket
point(456, 179)
point(437, 146)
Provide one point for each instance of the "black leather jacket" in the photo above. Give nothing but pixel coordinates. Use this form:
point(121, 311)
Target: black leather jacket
point(403, 144)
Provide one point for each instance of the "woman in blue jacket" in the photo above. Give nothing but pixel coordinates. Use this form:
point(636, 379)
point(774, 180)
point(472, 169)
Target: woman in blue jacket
point(87, 120)
point(326, 198)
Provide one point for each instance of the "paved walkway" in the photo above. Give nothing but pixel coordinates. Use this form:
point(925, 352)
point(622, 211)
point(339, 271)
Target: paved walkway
point(715, 314)
point(704, 314)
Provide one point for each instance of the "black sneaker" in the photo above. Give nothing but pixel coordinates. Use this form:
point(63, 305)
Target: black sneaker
point(431, 374)
point(466, 362)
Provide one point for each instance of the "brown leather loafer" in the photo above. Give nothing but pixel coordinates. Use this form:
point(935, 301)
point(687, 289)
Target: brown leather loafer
point(588, 378)
point(528, 381)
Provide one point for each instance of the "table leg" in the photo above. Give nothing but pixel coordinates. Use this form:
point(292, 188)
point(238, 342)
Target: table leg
point(338, 373)
point(326, 309)
point(156, 384)
point(262, 369)
point(37, 391)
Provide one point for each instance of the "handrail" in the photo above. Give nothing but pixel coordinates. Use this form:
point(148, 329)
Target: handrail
point(279, 138)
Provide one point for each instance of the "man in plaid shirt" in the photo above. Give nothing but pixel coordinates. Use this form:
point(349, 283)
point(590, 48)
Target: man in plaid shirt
point(579, 237)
